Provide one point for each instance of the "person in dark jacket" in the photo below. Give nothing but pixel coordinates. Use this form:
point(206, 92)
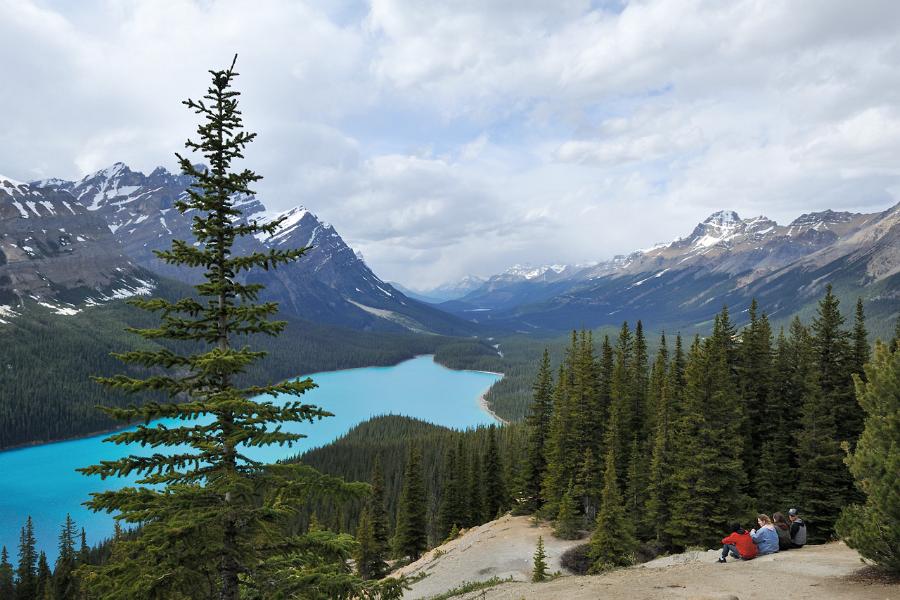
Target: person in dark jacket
point(783, 530)
point(798, 529)
point(738, 544)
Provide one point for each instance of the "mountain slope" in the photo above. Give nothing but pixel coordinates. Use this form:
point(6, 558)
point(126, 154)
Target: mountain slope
point(55, 252)
point(725, 260)
point(331, 284)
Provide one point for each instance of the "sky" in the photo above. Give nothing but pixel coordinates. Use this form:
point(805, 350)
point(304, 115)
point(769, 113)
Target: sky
point(444, 138)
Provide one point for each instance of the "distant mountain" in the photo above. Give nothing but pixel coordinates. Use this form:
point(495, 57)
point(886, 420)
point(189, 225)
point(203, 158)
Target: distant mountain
point(724, 260)
point(444, 292)
point(330, 284)
point(55, 252)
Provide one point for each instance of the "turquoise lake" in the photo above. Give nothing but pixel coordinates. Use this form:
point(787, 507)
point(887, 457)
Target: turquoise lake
point(41, 480)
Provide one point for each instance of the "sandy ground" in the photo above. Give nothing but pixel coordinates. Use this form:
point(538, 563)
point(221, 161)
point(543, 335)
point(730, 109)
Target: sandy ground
point(504, 548)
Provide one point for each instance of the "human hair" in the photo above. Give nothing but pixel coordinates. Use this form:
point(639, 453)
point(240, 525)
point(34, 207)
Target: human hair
point(736, 527)
point(779, 518)
point(765, 519)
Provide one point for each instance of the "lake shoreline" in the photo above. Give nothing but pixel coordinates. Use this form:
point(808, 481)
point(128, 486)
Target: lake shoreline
point(485, 406)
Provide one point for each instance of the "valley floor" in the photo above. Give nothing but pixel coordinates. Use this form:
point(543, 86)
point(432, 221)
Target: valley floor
point(503, 548)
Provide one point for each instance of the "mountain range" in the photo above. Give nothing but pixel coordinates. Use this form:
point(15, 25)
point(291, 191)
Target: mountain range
point(92, 237)
point(67, 244)
point(724, 260)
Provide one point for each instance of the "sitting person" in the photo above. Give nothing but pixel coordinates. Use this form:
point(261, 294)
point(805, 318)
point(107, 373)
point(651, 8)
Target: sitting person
point(783, 530)
point(798, 529)
point(766, 538)
point(738, 544)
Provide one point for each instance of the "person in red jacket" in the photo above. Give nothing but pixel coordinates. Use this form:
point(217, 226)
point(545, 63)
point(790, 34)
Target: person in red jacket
point(739, 544)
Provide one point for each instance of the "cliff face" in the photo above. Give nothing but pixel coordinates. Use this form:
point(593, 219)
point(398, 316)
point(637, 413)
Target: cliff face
point(53, 250)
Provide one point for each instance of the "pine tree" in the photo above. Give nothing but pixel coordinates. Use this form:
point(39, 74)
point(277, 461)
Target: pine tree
point(755, 376)
point(834, 357)
point(612, 543)
point(588, 486)
point(370, 563)
point(7, 586)
point(821, 474)
point(450, 510)
point(411, 532)
point(639, 384)
point(475, 502)
point(895, 341)
point(567, 524)
point(63, 577)
point(860, 341)
point(709, 480)
point(538, 423)
point(26, 572)
point(43, 580)
point(620, 428)
point(637, 484)
point(561, 446)
point(777, 460)
point(873, 528)
point(378, 510)
point(539, 571)
point(665, 382)
point(83, 550)
point(494, 485)
point(196, 497)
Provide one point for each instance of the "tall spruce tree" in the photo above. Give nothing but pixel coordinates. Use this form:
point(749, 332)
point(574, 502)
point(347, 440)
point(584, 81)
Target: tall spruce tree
point(873, 527)
point(620, 424)
point(589, 486)
point(659, 488)
point(475, 502)
point(370, 563)
point(378, 510)
point(197, 498)
point(26, 571)
point(709, 480)
point(561, 446)
point(450, 509)
point(860, 340)
point(777, 457)
point(612, 543)
point(538, 423)
point(755, 378)
point(494, 484)
point(7, 584)
point(834, 357)
point(64, 581)
point(821, 474)
point(43, 584)
point(567, 524)
point(411, 532)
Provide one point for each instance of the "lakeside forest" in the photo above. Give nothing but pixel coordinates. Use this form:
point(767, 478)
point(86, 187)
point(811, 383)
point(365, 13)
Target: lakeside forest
point(639, 454)
point(640, 447)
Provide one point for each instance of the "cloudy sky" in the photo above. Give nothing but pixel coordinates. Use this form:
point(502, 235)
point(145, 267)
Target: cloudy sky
point(446, 137)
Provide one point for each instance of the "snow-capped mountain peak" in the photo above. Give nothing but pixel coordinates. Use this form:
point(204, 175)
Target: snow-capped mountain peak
point(723, 218)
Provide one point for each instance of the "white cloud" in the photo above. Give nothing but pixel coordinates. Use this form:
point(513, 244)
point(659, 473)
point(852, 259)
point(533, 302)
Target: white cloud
point(443, 138)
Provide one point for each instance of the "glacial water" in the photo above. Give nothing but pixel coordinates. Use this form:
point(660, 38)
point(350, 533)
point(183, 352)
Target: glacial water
point(41, 481)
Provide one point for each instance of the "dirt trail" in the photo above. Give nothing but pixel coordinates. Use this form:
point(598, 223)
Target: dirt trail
point(504, 548)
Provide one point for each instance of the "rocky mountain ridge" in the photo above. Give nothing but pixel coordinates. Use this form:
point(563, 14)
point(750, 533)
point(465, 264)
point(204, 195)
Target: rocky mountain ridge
point(55, 252)
point(724, 260)
point(330, 284)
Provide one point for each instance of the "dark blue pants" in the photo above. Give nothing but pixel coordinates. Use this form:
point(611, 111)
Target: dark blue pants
point(730, 548)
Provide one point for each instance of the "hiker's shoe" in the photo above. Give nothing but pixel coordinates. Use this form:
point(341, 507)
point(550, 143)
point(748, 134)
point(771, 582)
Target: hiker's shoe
point(721, 560)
